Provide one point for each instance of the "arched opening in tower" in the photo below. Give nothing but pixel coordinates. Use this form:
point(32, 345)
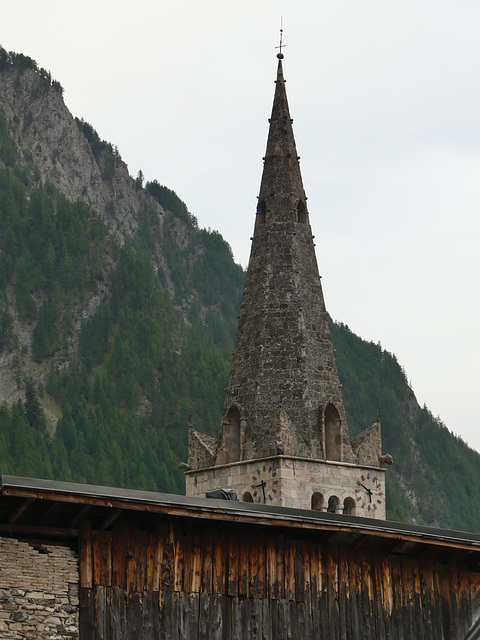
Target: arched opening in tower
point(349, 506)
point(301, 211)
point(318, 502)
point(233, 418)
point(247, 497)
point(261, 211)
point(333, 434)
point(333, 503)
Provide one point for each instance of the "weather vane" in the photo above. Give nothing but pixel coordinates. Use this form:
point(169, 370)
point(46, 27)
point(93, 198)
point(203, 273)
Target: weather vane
point(280, 55)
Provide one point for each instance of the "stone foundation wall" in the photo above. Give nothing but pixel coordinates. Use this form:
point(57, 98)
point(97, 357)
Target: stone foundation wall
point(38, 591)
point(291, 482)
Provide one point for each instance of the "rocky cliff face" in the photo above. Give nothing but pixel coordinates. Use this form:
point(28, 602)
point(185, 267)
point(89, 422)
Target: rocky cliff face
point(48, 139)
point(55, 151)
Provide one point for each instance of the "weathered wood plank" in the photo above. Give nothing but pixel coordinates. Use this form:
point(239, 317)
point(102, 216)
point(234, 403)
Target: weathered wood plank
point(344, 596)
point(119, 555)
point(289, 569)
point(215, 617)
point(219, 577)
point(150, 544)
point(204, 605)
point(171, 615)
point(243, 565)
point(86, 614)
point(100, 613)
point(280, 572)
point(233, 546)
point(206, 585)
point(86, 556)
point(179, 561)
point(102, 558)
point(271, 568)
point(130, 559)
point(253, 569)
point(133, 626)
point(226, 606)
point(117, 613)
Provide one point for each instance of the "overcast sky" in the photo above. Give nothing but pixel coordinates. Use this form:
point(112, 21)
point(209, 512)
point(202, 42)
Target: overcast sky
point(385, 97)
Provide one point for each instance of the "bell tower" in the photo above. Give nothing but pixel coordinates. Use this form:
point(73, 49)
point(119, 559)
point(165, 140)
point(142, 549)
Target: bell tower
point(284, 437)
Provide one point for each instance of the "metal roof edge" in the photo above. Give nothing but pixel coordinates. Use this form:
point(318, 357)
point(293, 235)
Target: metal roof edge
point(258, 512)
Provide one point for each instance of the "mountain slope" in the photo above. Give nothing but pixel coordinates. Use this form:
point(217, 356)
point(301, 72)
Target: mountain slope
point(117, 322)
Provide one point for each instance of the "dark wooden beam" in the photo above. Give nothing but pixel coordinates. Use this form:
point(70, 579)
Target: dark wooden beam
point(53, 508)
point(21, 509)
point(33, 530)
point(110, 519)
point(80, 515)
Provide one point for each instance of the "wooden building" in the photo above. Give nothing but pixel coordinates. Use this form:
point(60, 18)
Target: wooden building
point(153, 566)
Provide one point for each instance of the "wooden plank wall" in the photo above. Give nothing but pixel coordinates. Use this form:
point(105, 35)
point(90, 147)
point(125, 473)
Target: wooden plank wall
point(226, 583)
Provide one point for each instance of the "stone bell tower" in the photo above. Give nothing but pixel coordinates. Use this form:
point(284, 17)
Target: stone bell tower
point(284, 437)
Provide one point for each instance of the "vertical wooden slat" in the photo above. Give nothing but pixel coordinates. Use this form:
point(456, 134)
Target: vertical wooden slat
point(119, 554)
point(130, 559)
point(289, 569)
point(197, 561)
point(158, 545)
point(216, 622)
point(233, 540)
point(299, 570)
point(141, 561)
point(344, 596)
point(219, 564)
point(280, 573)
point(243, 565)
point(102, 558)
point(150, 549)
point(226, 605)
point(100, 613)
point(178, 562)
point(253, 561)
point(206, 585)
point(271, 568)
point(262, 564)
point(86, 555)
point(86, 614)
point(204, 605)
point(188, 560)
point(418, 603)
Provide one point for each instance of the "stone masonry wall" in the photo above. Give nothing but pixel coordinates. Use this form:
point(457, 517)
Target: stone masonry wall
point(38, 591)
point(291, 482)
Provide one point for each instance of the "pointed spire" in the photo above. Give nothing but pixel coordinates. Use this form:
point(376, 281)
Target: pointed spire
point(281, 184)
point(283, 384)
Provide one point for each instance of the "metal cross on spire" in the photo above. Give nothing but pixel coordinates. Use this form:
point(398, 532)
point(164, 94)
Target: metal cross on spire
point(280, 54)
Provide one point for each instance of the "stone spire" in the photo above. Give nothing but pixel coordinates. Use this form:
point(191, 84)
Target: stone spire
point(283, 394)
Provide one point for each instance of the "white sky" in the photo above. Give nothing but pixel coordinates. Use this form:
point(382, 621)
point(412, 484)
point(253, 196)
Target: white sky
point(385, 97)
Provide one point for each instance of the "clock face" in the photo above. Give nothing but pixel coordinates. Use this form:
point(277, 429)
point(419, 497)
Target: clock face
point(369, 494)
point(264, 484)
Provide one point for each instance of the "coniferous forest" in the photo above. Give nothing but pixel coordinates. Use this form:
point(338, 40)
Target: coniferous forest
point(118, 319)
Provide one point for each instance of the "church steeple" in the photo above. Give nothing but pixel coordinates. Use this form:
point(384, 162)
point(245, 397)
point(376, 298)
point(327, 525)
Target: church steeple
point(284, 437)
point(283, 385)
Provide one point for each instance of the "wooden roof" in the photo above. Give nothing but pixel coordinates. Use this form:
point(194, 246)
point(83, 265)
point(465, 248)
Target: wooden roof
point(32, 507)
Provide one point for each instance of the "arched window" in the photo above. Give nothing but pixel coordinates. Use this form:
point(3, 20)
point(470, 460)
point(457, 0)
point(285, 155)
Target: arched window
point(301, 211)
point(262, 211)
point(333, 503)
point(247, 497)
point(317, 502)
point(233, 441)
point(349, 506)
point(333, 434)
